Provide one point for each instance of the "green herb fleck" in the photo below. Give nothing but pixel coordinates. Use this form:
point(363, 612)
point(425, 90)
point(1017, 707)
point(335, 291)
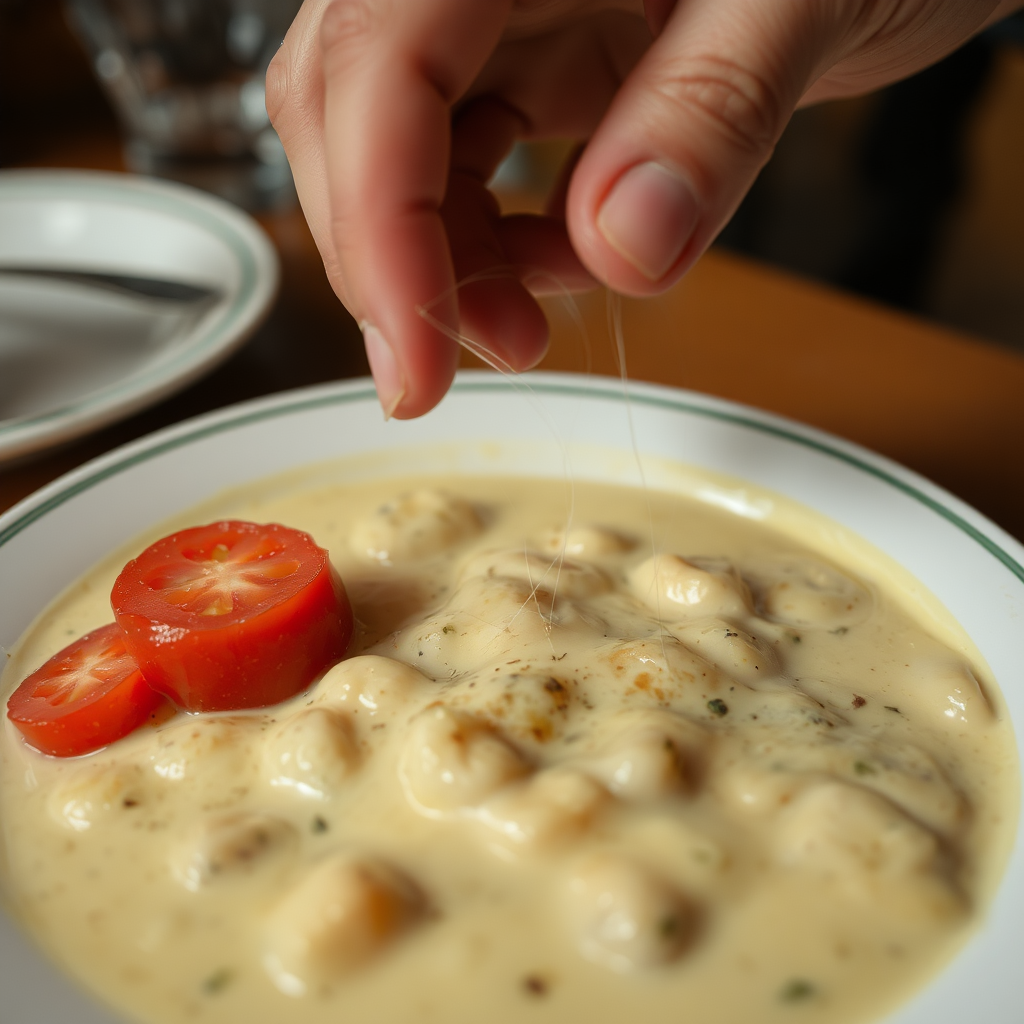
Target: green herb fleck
point(796, 638)
point(718, 707)
point(840, 631)
point(797, 990)
point(447, 629)
point(320, 824)
point(218, 981)
point(863, 768)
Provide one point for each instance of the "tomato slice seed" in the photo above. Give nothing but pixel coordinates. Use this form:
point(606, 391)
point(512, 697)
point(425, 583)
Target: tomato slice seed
point(87, 696)
point(232, 614)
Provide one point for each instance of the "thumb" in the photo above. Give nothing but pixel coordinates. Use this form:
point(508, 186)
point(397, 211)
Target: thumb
point(687, 134)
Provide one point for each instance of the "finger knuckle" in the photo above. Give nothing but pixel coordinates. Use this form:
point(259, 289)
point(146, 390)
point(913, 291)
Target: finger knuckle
point(739, 103)
point(278, 73)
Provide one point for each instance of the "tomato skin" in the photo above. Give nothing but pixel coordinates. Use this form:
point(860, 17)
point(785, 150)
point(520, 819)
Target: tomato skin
point(85, 697)
point(233, 614)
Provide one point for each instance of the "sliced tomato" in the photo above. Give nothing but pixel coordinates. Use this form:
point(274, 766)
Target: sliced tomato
point(232, 615)
point(90, 694)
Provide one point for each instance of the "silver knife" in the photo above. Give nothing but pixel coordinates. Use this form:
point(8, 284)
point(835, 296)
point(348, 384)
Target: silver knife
point(126, 284)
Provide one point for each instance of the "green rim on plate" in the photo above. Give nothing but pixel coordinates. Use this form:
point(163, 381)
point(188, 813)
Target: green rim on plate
point(289, 405)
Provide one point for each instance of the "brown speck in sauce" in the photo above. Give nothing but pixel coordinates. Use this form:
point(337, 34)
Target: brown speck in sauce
point(535, 985)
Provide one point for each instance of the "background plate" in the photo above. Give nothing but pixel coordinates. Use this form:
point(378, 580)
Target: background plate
point(560, 423)
point(74, 357)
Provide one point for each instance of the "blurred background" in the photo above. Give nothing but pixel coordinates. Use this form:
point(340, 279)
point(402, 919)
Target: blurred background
point(913, 197)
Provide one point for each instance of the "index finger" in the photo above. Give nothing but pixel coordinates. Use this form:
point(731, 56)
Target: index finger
point(392, 71)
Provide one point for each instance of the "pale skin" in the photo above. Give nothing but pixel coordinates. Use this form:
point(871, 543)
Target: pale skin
point(395, 114)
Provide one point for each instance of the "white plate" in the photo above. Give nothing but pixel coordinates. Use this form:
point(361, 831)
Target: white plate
point(74, 357)
point(972, 566)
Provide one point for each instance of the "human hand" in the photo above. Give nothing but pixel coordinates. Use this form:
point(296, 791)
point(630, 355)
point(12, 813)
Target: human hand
point(395, 114)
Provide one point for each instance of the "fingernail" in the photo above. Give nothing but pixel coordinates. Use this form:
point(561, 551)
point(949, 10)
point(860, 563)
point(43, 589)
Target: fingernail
point(648, 217)
point(384, 367)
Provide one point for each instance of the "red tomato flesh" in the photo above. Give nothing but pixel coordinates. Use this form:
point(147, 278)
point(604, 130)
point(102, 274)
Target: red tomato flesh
point(90, 694)
point(232, 615)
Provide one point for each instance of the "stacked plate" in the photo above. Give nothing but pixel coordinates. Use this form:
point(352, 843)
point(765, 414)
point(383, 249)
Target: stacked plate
point(114, 292)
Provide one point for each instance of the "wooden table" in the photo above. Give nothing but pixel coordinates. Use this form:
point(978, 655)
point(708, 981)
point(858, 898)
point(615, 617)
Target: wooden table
point(948, 406)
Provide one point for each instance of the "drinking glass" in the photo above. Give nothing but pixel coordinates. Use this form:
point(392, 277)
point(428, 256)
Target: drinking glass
point(186, 78)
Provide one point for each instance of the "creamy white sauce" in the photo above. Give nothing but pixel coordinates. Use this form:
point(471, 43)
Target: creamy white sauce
point(662, 763)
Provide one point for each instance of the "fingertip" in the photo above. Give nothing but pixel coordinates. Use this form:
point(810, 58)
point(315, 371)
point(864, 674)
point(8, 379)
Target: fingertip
point(641, 234)
point(387, 373)
point(503, 318)
point(648, 217)
point(412, 362)
point(425, 385)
